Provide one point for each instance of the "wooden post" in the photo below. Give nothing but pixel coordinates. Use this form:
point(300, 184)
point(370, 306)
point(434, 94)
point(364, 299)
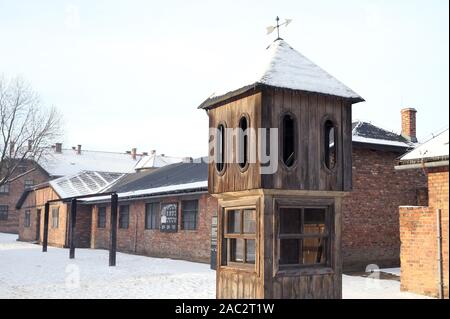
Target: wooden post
point(113, 231)
point(73, 219)
point(45, 239)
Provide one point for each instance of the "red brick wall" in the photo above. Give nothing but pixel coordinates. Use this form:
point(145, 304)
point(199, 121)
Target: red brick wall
point(16, 189)
point(418, 232)
point(191, 245)
point(370, 230)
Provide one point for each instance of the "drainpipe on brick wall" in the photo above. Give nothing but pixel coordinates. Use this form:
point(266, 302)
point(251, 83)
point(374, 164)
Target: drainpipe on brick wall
point(439, 246)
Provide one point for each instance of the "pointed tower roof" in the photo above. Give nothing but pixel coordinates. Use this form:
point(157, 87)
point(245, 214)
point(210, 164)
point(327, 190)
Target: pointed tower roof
point(287, 68)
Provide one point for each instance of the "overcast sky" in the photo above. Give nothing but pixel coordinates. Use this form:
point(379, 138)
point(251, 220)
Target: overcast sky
point(131, 73)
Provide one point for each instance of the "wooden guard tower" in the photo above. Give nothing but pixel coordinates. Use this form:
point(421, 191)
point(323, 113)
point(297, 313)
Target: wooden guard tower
point(279, 233)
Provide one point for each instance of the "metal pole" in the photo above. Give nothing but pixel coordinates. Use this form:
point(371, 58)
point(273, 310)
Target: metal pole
point(45, 239)
point(73, 220)
point(439, 248)
point(113, 231)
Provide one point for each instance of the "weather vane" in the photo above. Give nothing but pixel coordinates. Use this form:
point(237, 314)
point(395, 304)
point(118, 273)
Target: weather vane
point(270, 29)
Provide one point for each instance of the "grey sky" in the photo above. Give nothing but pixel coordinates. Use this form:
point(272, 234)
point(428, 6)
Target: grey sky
point(131, 73)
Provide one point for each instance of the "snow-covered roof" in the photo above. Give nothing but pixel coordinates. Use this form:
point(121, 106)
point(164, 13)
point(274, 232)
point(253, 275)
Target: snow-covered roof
point(434, 149)
point(287, 68)
point(68, 162)
point(84, 183)
point(364, 132)
point(156, 161)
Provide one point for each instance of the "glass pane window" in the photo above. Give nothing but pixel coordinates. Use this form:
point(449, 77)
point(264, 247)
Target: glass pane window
point(234, 222)
point(55, 217)
point(101, 218)
point(151, 215)
point(27, 221)
point(189, 211)
point(249, 221)
point(303, 236)
point(240, 237)
point(124, 216)
point(4, 212)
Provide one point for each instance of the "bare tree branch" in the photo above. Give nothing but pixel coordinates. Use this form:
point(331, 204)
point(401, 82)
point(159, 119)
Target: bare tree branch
point(27, 129)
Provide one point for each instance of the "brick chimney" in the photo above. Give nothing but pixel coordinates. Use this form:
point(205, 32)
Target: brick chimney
point(58, 147)
point(134, 153)
point(79, 149)
point(409, 124)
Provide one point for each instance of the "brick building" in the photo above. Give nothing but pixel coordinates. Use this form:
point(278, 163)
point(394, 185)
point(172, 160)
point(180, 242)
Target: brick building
point(424, 229)
point(59, 162)
point(370, 214)
point(143, 197)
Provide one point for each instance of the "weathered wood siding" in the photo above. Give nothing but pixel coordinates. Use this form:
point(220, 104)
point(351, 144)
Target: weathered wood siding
point(229, 115)
point(310, 111)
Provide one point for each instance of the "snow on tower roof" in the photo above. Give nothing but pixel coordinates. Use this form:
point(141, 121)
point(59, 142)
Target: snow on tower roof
point(287, 68)
point(434, 149)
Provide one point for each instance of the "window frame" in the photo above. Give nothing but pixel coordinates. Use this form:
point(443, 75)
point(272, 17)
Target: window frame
point(29, 186)
point(244, 168)
point(224, 150)
point(4, 213)
point(119, 222)
point(325, 144)
point(55, 217)
point(6, 189)
point(295, 137)
point(304, 269)
point(27, 219)
point(226, 246)
point(103, 225)
point(182, 227)
point(157, 214)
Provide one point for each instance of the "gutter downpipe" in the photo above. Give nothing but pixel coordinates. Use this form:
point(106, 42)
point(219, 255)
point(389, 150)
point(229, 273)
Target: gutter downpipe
point(439, 260)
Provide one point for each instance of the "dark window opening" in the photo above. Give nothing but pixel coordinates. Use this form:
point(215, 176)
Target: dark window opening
point(124, 216)
point(55, 217)
point(29, 183)
point(189, 211)
point(240, 237)
point(101, 217)
point(303, 236)
point(243, 142)
point(220, 148)
point(151, 215)
point(27, 221)
point(4, 212)
point(330, 144)
point(4, 189)
point(288, 140)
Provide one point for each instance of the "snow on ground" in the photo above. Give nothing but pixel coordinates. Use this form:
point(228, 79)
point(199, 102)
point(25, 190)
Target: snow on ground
point(26, 272)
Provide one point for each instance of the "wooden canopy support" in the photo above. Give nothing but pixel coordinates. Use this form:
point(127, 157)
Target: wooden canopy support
point(73, 220)
point(113, 232)
point(45, 239)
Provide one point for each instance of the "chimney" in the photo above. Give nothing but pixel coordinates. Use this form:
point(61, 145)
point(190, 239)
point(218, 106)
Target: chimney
point(30, 145)
point(79, 149)
point(12, 146)
point(58, 147)
point(133, 153)
point(187, 160)
point(409, 124)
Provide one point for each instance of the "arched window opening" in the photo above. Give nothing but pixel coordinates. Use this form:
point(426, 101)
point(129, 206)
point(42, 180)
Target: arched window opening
point(220, 148)
point(330, 144)
point(288, 140)
point(243, 142)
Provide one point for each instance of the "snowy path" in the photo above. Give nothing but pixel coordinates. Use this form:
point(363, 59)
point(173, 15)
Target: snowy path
point(26, 272)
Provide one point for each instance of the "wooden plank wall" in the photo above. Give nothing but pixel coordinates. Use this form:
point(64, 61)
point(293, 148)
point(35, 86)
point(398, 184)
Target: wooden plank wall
point(233, 179)
point(310, 110)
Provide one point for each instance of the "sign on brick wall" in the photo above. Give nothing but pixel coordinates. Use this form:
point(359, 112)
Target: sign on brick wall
point(169, 218)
